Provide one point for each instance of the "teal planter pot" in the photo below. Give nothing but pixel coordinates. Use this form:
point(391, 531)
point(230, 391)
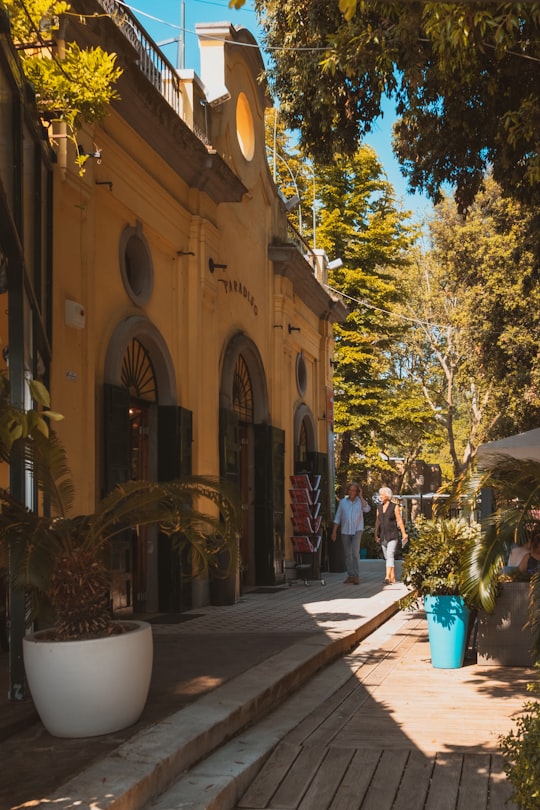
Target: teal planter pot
point(447, 618)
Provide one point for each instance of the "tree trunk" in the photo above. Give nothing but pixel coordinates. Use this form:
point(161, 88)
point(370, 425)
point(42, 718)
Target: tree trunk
point(345, 451)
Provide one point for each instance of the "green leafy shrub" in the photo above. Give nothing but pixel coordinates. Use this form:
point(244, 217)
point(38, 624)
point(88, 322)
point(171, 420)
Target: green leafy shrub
point(432, 564)
point(521, 752)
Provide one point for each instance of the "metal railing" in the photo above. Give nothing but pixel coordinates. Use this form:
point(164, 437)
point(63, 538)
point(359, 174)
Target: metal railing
point(152, 62)
point(295, 238)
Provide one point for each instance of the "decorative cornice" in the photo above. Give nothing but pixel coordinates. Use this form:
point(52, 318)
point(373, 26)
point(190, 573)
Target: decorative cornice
point(288, 262)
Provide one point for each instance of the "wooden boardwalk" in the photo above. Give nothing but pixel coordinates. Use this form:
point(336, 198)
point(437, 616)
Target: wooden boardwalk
point(399, 735)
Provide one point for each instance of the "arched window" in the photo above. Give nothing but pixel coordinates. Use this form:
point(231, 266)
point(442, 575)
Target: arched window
point(242, 391)
point(302, 448)
point(138, 373)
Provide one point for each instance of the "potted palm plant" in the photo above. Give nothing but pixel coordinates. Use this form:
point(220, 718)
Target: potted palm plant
point(506, 602)
point(88, 674)
point(432, 567)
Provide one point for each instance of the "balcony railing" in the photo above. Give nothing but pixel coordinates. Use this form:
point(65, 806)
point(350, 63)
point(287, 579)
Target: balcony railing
point(295, 238)
point(152, 62)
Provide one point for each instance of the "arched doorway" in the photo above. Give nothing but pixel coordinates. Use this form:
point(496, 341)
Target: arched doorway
point(139, 379)
point(243, 409)
point(145, 436)
point(252, 459)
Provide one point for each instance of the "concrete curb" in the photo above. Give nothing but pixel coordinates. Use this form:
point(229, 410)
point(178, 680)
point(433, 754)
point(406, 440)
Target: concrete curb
point(146, 765)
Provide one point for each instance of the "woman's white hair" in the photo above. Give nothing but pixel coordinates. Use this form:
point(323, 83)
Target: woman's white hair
point(386, 491)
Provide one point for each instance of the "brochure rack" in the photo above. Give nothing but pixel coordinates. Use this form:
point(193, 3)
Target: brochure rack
point(306, 520)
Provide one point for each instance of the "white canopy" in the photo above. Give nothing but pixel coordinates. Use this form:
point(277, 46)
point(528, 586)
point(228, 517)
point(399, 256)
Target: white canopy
point(522, 445)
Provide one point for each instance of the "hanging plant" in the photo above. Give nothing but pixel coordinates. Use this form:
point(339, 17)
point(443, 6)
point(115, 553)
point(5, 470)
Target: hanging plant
point(72, 85)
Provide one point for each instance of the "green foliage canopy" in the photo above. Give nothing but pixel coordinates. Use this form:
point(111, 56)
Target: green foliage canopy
point(72, 85)
point(464, 77)
point(492, 261)
point(472, 348)
point(361, 222)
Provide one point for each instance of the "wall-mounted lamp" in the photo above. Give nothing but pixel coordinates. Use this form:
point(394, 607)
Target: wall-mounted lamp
point(293, 329)
point(335, 264)
point(83, 153)
point(213, 266)
point(185, 253)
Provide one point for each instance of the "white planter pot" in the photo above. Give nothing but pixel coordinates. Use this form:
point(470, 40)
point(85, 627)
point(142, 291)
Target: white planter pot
point(92, 687)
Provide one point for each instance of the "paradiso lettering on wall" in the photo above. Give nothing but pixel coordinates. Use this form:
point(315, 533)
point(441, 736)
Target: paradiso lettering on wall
point(236, 287)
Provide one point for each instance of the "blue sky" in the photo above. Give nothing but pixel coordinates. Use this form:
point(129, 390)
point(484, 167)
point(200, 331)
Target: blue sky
point(162, 19)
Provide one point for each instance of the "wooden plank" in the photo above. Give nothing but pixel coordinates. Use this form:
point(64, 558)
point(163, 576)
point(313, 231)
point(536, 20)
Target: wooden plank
point(473, 787)
point(445, 723)
point(500, 789)
point(261, 790)
point(327, 779)
point(384, 786)
point(325, 716)
point(357, 705)
point(333, 725)
point(443, 791)
point(415, 783)
point(370, 779)
point(472, 717)
point(351, 696)
point(354, 785)
point(298, 779)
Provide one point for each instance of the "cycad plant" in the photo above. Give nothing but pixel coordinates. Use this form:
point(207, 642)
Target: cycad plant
point(62, 561)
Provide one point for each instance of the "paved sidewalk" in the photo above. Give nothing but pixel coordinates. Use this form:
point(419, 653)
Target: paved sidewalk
point(215, 672)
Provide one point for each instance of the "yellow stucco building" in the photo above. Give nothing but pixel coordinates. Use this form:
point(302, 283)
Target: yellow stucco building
point(191, 331)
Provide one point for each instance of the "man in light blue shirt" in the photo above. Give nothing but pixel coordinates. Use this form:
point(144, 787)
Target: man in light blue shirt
point(350, 517)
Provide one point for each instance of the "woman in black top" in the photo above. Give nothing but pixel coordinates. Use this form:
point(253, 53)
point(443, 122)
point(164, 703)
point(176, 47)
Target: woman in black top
point(388, 527)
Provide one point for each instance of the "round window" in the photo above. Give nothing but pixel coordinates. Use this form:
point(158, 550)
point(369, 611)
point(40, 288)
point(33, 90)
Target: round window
point(245, 131)
point(136, 265)
point(301, 374)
